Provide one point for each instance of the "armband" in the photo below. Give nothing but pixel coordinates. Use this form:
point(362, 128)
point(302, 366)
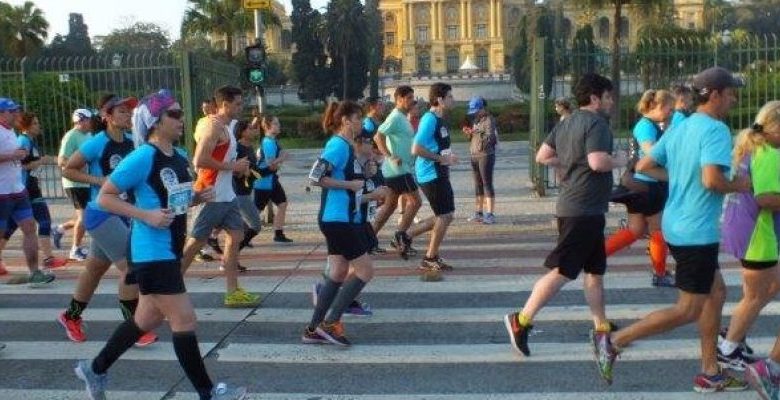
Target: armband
point(320, 169)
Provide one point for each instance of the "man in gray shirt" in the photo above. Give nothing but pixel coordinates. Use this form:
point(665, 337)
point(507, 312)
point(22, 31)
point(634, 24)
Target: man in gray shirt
point(580, 147)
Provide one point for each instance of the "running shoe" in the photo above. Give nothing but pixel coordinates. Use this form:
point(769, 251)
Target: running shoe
point(736, 361)
point(40, 279)
point(315, 293)
point(95, 383)
point(476, 218)
point(518, 334)
point(399, 243)
point(222, 391)
point(56, 238)
point(214, 244)
point(240, 298)
point(604, 352)
point(359, 309)
point(746, 349)
point(72, 327)
point(2, 346)
point(282, 239)
point(333, 333)
point(667, 280)
point(312, 337)
point(718, 383)
point(240, 268)
point(376, 250)
point(762, 380)
point(146, 339)
point(54, 262)
point(202, 256)
point(77, 254)
point(489, 219)
point(434, 263)
point(3, 271)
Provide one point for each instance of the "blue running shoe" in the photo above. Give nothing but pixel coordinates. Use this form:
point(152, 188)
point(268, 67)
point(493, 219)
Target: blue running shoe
point(56, 238)
point(96, 383)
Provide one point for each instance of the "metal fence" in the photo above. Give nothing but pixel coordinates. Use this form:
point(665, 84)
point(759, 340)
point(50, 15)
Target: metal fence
point(52, 87)
point(659, 64)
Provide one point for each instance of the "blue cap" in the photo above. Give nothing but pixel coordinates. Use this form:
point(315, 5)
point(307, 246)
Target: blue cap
point(475, 104)
point(7, 104)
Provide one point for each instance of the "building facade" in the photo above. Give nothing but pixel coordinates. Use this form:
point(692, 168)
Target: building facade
point(277, 39)
point(425, 37)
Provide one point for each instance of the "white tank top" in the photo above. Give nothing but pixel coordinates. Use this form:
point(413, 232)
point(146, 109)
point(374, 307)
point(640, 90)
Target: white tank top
point(223, 187)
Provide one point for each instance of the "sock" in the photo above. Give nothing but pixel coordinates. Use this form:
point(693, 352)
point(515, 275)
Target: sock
point(279, 232)
point(727, 347)
point(658, 253)
point(122, 339)
point(128, 308)
point(621, 239)
point(774, 366)
point(60, 229)
point(75, 308)
point(349, 292)
point(523, 320)
point(185, 344)
point(327, 294)
point(604, 327)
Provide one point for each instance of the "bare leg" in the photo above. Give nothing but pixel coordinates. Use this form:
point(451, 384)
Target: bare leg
point(544, 289)
point(687, 309)
point(281, 212)
point(78, 229)
point(709, 324)
point(191, 249)
point(412, 205)
point(89, 278)
point(594, 295)
point(30, 243)
point(230, 261)
point(758, 288)
point(439, 231)
point(384, 212)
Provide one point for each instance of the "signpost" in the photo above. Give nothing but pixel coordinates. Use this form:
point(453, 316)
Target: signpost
point(257, 67)
point(257, 4)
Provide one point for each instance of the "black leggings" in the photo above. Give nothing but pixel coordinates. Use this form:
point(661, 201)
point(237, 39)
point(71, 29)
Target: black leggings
point(482, 170)
point(41, 214)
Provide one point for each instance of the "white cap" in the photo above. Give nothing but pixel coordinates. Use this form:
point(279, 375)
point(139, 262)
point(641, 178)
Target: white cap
point(81, 114)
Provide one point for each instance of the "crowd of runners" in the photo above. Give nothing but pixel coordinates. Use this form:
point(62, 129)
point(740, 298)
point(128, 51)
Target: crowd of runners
point(133, 187)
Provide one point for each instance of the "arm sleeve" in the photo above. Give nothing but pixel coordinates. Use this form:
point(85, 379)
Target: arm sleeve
point(334, 154)
point(598, 138)
point(132, 170)
point(765, 171)
point(425, 132)
point(716, 148)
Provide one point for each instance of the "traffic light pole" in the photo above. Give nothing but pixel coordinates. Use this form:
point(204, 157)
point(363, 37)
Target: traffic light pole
point(259, 30)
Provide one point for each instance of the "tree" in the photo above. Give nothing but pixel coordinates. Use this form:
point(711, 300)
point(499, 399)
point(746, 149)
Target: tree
point(24, 29)
point(223, 17)
point(309, 60)
point(583, 52)
point(375, 46)
point(76, 42)
point(345, 27)
point(757, 17)
point(521, 68)
point(136, 38)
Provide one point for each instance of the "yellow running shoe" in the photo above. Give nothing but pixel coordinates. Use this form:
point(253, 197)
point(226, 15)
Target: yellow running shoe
point(240, 298)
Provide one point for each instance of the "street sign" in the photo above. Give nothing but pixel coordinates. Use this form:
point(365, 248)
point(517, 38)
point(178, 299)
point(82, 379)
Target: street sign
point(257, 4)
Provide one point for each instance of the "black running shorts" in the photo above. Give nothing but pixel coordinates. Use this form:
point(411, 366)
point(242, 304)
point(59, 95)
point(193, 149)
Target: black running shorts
point(276, 195)
point(401, 184)
point(344, 239)
point(79, 196)
point(758, 265)
point(651, 202)
point(580, 246)
point(439, 195)
point(157, 277)
point(696, 266)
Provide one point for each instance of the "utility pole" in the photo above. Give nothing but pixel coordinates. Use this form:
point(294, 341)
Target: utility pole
point(259, 30)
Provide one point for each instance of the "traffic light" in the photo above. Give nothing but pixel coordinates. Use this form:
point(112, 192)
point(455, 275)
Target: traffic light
point(255, 59)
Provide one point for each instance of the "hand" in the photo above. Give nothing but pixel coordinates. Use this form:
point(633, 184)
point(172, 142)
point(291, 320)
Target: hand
point(468, 131)
point(742, 184)
point(396, 160)
point(159, 219)
point(206, 195)
point(355, 185)
point(241, 165)
point(19, 154)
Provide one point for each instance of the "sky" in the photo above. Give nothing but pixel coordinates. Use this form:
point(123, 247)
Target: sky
point(102, 16)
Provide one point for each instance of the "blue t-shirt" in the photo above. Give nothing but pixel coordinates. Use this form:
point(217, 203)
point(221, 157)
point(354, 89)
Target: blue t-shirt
point(153, 177)
point(102, 155)
point(692, 213)
point(432, 135)
point(369, 128)
point(645, 131)
point(268, 150)
point(340, 205)
point(677, 117)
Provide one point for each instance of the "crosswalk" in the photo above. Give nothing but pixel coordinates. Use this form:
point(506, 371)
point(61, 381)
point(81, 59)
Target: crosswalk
point(442, 340)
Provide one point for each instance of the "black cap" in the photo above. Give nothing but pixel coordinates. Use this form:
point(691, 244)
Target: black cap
point(715, 78)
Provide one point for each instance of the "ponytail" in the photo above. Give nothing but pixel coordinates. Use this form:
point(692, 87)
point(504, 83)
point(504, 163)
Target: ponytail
point(331, 120)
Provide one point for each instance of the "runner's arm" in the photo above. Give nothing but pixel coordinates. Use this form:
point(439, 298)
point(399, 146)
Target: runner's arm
point(74, 170)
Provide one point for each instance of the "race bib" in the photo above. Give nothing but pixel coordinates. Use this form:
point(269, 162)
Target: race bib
point(180, 197)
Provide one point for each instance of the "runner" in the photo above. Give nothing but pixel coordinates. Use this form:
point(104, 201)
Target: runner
point(162, 192)
point(696, 155)
point(483, 136)
point(77, 192)
point(432, 171)
point(215, 160)
point(31, 128)
point(683, 103)
point(246, 134)
point(268, 188)
point(394, 140)
point(339, 175)
point(109, 232)
point(749, 233)
point(645, 208)
point(14, 199)
point(580, 146)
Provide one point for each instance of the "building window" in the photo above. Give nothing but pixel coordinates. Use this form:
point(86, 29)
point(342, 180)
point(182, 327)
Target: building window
point(691, 25)
point(482, 59)
point(452, 14)
point(603, 28)
point(452, 32)
point(624, 27)
point(286, 39)
point(566, 28)
point(423, 62)
point(389, 38)
point(453, 61)
point(481, 31)
point(422, 34)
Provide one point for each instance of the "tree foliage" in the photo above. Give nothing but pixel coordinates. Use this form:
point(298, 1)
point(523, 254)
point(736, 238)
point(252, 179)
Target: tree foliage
point(75, 43)
point(375, 46)
point(583, 54)
point(758, 17)
point(137, 38)
point(309, 60)
point(23, 29)
point(346, 29)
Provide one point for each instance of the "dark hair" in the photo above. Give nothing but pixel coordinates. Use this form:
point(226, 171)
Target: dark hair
point(241, 126)
point(681, 90)
point(226, 94)
point(331, 120)
point(590, 84)
point(402, 91)
point(266, 120)
point(438, 89)
point(26, 121)
point(104, 100)
point(563, 102)
point(210, 100)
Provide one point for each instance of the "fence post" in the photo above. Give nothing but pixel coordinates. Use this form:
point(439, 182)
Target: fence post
point(537, 115)
point(188, 99)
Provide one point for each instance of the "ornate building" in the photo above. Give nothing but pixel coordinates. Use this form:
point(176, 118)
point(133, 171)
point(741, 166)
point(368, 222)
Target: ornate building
point(437, 36)
point(277, 39)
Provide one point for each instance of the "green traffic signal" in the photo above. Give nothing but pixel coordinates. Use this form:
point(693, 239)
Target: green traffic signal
point(256, 76)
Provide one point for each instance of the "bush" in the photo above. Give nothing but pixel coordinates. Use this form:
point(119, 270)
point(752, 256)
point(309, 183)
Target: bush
point(311, 128)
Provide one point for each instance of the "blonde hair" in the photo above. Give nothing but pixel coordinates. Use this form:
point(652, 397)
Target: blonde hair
point(653, 98)
point(748, 140)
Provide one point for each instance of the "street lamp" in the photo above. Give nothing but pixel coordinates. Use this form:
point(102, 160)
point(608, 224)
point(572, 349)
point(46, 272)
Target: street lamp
point(725, 39)
point(680, 66)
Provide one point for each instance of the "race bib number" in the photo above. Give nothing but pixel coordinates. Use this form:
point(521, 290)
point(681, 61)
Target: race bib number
point(180, 197)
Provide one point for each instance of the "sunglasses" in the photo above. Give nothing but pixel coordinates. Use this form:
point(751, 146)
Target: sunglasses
point(175, 114)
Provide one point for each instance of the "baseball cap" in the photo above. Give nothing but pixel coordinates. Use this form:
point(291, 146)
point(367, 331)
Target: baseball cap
point(81, 114)
point(7, 104)
point(715, 78)
point(475, 104)
point(117, 101)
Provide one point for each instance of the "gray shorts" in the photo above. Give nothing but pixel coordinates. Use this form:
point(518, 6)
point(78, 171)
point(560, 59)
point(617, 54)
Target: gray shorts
point(249, 213)
point(223, 215)
point(110, 240)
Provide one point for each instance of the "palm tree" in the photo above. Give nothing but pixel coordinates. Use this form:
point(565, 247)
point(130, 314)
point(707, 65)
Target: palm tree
point(344, 27)
point(24, 28)
point(223, 17)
